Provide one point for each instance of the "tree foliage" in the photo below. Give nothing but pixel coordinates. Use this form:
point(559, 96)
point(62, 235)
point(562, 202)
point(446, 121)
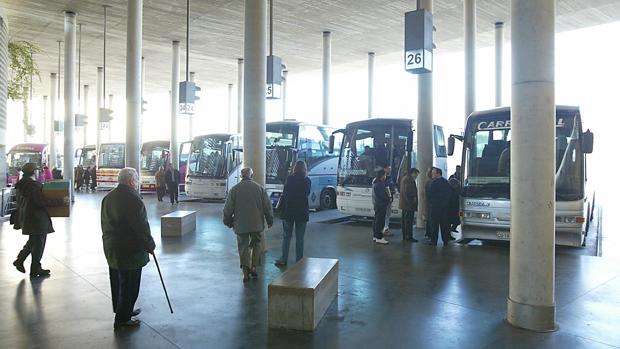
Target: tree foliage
point(22, 67)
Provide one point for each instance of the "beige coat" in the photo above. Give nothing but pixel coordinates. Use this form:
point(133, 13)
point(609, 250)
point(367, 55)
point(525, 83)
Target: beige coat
point(247, 208)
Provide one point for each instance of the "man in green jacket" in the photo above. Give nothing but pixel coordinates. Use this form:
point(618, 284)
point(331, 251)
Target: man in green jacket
point(127, 242)
point(246, 210)
point(33, 219)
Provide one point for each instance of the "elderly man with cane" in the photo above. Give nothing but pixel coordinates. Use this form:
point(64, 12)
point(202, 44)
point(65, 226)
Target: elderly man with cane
point(127, 242)
point(246, 210)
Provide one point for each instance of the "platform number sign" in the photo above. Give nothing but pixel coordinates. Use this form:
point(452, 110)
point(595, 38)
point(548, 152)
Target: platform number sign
point(418, 60)
point(273, 91)
point(187, 108)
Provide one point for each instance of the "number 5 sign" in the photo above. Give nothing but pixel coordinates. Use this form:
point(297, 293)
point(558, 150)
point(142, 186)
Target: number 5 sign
point(418, 61)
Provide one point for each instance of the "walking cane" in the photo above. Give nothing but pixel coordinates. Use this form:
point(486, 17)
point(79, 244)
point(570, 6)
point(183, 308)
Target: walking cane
point(162, 283)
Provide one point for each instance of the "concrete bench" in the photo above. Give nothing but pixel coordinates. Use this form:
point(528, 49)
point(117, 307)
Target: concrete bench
point(299, 298)
point(178, 223)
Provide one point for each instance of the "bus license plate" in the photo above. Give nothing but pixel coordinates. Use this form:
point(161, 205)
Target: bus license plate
point(503, 235)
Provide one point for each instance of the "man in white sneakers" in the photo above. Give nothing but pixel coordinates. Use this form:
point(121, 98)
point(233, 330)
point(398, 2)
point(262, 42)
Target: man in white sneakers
point(381, 202)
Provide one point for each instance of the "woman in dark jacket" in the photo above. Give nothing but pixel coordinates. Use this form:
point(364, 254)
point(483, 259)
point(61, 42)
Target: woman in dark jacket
point(294, 204)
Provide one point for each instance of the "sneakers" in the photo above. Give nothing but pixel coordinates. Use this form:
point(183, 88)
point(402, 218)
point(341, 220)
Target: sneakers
point(381, 241)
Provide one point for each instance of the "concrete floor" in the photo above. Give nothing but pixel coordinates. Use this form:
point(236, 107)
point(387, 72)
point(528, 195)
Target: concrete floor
point(395, 296)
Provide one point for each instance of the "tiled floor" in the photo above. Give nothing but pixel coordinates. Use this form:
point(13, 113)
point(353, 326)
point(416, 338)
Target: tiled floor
point(395, 296)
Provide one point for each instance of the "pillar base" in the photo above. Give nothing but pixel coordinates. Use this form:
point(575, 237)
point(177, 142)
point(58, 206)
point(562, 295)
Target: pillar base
point(538, 318)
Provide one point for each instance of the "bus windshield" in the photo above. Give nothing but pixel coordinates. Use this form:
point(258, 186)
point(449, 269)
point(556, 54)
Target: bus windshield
point(368, 148)
point(280, 141)
point(19, 159)
point(87, 158)
point(112, 156)
point(487, 158)
point(207, 157)
point(152, 158)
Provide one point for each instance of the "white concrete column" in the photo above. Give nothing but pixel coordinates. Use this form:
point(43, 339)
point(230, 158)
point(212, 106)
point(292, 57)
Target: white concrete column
point(190, 117)
point(133, 84)
point(45, 121)
point(371, 81)
point(174, 104)
point(230, 92)
point(531, 293)
point(52, 121)
point(469, 11)
point(284, 92)
point(240, 95)
point(424, 132)
point(499, 54)
point(255, 78)
point(85, 112)
point(110, 103)
point(327, 72)
point(70, 96)
point(100, 105)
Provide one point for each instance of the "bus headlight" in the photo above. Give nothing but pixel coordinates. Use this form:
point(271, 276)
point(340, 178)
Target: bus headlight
point(478, 215)
point(569, 219)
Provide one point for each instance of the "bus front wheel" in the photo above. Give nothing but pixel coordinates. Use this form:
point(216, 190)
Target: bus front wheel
point(328, 199)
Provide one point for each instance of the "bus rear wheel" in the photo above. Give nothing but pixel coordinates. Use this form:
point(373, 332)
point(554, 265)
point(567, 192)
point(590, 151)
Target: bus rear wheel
point(328, 199)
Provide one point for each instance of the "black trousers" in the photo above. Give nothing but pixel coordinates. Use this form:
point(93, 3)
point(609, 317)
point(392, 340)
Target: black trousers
point(35, 247)
point(125, 285)
point(379, 222)
point(173, 191)
point(440, 220)
point(160, 193)
point(406, 223)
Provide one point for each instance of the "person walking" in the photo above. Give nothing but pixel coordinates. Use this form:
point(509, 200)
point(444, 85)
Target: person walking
point(79, 177)
point(93, 177)
point(47, 174)
point(389, 183)
point(127, 242)
point(86, 179)
point(381, 202)
point(160, 183)
point(246, 209)
point(32, 218)
point(172, 183)
point(295, 211)
point(439, 197)
point(408, 203)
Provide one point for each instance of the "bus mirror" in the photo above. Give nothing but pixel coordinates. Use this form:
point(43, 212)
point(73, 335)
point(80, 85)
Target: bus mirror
point(332, 140)
point(450, 145)
point(587, 142)
point(410, 141)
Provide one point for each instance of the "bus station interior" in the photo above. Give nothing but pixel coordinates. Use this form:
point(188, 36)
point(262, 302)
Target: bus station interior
point(400, 295)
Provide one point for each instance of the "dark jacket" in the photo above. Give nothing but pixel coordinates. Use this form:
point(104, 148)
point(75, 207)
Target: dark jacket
point(439, 195)
point(295, 198)
point(380, 197)
point(408, 194)
point(454, 206)
point(172, 177)
point(32, 215)
point(126, 231)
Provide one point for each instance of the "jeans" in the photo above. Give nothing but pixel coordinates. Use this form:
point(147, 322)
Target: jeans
point(249, 246)
point(388, 215)
point(300, 229)
point(379, 222)
point(35, 247)
point(407, 223)
point(125, 285)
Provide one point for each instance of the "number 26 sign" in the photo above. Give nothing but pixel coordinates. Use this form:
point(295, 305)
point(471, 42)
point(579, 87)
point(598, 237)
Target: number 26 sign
point(418, 61)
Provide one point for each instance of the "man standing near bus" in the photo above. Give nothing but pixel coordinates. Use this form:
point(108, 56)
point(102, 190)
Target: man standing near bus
point(439, 198)
point(381, 202)
point(408, 203)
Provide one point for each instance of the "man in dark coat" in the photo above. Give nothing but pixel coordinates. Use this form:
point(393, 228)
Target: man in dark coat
point(439, 198)
point(380, 201)
point(127, 242)
point(172, 183)
point(33, 219)
point(93, 178)
point(408, 203)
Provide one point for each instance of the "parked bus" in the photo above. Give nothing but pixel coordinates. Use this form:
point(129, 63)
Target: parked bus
point(289, 141)
point(234, 160)
point(206, 171)
point(22, 154)
point(485, 161)
point(153, 155)
point(110, 162)
point(367, 146)
point(86, 156)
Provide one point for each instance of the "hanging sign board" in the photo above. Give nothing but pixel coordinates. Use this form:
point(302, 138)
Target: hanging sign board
point(273, 89)
point(418, 42)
